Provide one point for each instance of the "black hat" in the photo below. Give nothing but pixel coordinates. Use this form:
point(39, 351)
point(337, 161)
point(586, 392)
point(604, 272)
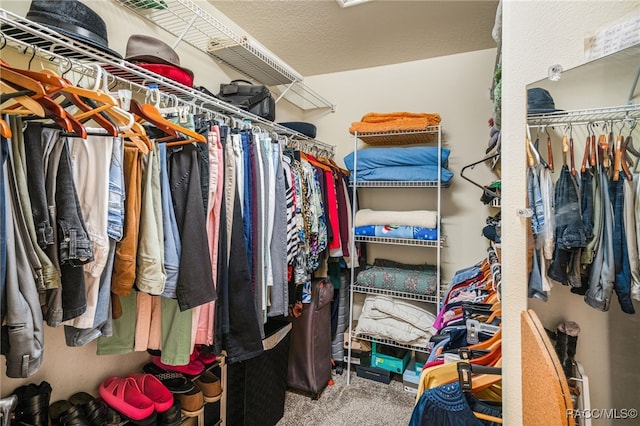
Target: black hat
point(539, 101)
point(73, 19)
point(306, 129)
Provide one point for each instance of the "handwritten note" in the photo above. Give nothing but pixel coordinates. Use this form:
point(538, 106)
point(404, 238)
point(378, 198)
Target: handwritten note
point(612, 39)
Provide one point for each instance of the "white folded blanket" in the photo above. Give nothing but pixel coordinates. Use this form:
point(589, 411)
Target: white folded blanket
point(423, 218)
point(395, 319)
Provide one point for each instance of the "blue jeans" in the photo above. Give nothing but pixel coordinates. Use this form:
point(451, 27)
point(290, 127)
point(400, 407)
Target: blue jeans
point(115, 223)
point(622, 283)
point(247, 189)
point(586, 199)
point(172, 242)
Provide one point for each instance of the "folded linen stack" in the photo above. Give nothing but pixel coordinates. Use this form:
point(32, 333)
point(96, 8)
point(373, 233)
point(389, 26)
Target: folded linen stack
point(413, 163)
point(394, 121)
point(414, 225)
point(400, 320)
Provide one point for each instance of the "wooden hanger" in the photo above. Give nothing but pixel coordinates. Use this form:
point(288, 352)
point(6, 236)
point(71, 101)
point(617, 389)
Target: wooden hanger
point(150, 114)
point(30, 105)
point(5, 130)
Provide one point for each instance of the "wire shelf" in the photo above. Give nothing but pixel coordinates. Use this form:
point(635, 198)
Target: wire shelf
point(29, 37)
point(398, 241)
point(393, 293)
point(398, 184)
point(401, 137)
point(586, 116)
point(189, 22)
point(389, 342)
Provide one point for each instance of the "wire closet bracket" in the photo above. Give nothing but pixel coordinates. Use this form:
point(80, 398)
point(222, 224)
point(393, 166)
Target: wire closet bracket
point(23, 35)
point(190, 23)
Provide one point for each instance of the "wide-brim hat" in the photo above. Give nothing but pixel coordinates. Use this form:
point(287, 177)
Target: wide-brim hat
point(143, 49)
point(172, 72)
point(539, 101)
point(73, 19)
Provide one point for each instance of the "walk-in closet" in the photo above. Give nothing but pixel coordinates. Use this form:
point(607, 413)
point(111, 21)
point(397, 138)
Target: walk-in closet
point(330, 212)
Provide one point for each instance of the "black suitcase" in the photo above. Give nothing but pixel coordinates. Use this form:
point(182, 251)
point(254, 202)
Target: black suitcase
point(310, 350)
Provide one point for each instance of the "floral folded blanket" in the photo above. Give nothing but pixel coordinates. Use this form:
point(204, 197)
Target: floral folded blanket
point(394, 121)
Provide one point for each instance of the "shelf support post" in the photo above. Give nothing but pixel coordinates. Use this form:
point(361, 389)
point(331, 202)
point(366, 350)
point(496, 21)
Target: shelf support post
point(184, 32)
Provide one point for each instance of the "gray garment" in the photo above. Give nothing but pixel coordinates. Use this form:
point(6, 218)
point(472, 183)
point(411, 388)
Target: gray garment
point(229, 190)
point(631, 235)
point(22, 211)
point(602, 271)
point(102, 323)
point(278, 247)
point(24, 317)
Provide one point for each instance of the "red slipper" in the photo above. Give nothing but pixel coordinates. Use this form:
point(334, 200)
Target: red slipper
point(123, 395)
point(192, 369)
point(153, 389)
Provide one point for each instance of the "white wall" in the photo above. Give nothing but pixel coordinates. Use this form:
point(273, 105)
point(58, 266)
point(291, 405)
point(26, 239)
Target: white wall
point(536, 34)
point(456, 87)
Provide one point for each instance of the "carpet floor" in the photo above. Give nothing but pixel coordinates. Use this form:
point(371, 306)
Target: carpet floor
point(363, 403)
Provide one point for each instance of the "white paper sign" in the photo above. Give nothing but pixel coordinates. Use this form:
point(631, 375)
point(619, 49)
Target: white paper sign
point(612, 39)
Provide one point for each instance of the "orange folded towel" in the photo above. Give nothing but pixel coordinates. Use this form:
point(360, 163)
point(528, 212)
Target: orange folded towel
point(394, 121)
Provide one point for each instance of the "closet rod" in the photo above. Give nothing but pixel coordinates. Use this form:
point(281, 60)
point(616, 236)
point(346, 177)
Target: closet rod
point(22, 34)
point(586, 116)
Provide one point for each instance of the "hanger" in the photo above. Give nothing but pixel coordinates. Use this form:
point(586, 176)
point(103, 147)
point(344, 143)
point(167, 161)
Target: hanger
point(58, 114)
point(472, 165)
point(21, 97)
point(486, 377)
point(5, 130)
point(150, 114)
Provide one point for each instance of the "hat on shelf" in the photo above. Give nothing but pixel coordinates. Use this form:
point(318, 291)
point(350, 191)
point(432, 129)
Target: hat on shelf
point(73, 19)
point(306, 129)
point(157, 56)
point(539, 101)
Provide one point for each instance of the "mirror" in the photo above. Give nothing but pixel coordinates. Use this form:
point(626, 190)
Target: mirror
point(608, 341)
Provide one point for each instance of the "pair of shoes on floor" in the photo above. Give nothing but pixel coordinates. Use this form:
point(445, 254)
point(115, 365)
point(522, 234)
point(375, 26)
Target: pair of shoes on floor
point(83, 409)
point(32, 407)
point(192, 394)
point(138, 396)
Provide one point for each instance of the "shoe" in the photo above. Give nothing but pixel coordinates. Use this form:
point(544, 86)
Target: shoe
point(154, 390)
point(204, 354)
point(210, 386)
point(33, 404)
point(124, 396)
point(57, 409)
point(74, 416)
point(171, 417)
point(7, 405)
point(194, 367)
point(174, 381)
point(95, 409)
point(192, 402)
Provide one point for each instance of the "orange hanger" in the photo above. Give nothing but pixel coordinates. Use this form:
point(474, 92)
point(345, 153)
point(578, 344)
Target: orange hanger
point(31, 106)
point(490, 343)
point(150, 113)
point(5, 130)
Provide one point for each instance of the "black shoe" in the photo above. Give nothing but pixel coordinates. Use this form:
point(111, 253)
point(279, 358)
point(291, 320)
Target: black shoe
point(33, 404)
point(171, 417)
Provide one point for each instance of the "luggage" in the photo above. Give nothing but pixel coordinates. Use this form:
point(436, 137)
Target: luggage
point(310, 350)
point(253, 98)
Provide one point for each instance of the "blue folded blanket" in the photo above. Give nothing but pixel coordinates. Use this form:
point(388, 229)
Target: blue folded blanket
point(404, 173)
point(409, 232)
point(371, 158)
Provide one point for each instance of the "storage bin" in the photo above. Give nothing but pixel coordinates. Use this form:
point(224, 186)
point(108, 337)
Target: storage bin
point(256, 387)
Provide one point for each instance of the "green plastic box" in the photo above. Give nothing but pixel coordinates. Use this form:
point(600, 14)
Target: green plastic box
point(396, 364)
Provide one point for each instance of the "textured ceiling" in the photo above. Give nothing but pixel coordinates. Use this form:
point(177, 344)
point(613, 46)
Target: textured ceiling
point(318, 36)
